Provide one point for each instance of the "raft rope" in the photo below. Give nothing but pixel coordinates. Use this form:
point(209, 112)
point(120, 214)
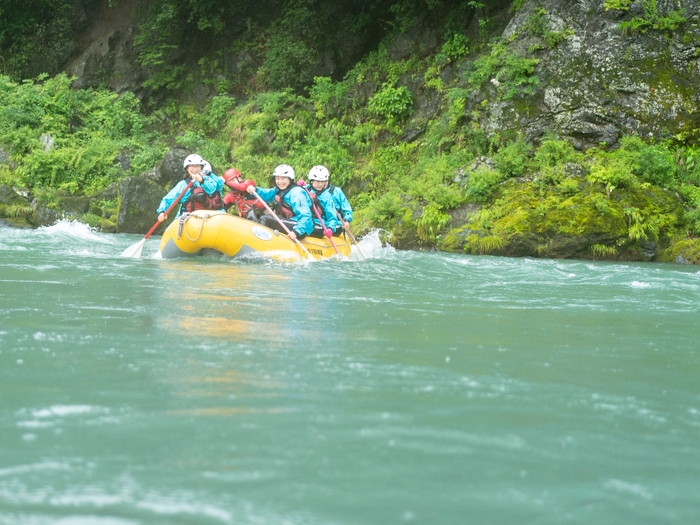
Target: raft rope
point(181, 223)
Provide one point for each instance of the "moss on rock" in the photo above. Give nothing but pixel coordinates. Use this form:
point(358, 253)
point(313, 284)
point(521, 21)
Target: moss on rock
point(535, 219)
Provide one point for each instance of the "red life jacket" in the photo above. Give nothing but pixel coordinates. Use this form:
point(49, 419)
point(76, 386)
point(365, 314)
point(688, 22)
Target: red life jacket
point(201, 200)
point(243, 205)
point(238, 195)
point(281, 206)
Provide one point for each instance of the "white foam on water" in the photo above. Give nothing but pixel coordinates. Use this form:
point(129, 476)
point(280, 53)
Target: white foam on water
point(238, 477)
point(34, 424)
point(92, 520)
point(33, 467)
point(76, 230)
point(372, 247)
point(92, 497)
point(638, 284)
point(628, 488)
point(66, 410)
point(170, 507)
point(7, 247)
point(44, 519)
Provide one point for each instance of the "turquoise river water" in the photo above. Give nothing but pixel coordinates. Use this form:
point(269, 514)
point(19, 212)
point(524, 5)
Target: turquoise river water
point(409, 388)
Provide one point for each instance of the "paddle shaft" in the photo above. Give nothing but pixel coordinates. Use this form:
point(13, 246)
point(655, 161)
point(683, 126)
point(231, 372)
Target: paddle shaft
point(351, 235)
point(269, 210)
point(323, 224)
point(169, 209)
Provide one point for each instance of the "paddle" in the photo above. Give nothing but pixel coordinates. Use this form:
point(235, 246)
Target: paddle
point(135, 249)
point(351, 235)
point(326, 231)
point(269, 210)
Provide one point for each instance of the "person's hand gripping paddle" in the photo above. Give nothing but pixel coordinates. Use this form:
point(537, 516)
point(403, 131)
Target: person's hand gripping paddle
point(135, 249)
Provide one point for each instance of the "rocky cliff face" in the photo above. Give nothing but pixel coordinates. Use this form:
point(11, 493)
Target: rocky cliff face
point(104, 53)
point(596, 78)
point(599, 80)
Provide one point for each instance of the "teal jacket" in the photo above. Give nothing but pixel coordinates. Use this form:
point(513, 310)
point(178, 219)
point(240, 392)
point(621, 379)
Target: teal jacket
point(300, 203)
point(210, 184)
point(341, 202)
point(329, 213)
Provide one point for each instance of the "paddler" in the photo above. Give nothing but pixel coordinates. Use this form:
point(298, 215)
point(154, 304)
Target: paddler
point(340, 201)
point(205, 193)
point(290, 202)
point(322, 199)
point(246, 205)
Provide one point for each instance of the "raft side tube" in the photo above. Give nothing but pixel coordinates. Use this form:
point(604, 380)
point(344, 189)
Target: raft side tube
point(233, 236)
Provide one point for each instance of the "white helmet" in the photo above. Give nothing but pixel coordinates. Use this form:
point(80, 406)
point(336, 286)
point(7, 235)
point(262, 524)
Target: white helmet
point(193, 159)
point(319, 173)
point(206, 168)
point(284, 170)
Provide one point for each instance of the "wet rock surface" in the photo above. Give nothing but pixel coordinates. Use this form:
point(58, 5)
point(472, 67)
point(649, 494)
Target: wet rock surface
point(139, 198)
point(602, 81)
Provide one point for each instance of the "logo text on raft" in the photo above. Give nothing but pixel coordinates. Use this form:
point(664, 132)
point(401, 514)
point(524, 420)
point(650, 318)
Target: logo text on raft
point(262, 234)
point(315, 251)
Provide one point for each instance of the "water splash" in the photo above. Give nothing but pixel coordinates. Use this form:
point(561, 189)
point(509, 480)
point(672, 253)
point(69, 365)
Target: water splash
point(65, 229)
point(372, 246)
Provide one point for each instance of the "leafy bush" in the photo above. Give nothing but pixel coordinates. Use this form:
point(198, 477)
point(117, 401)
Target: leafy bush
point(289, 63)
point(652, 19)
point(431, 222)
point(635, 161)
point(327, 96)
point(655, 166)
point(553, 152)
point(392, 104)
point(216, 111)
point(292, 48)
point(432, 180)
point(511, 160)
point(537, 24)
point(568, 187)
point(35, 36)
point(612, 172)
point(481, 184)
point(688, 164)
point(455, 47)
point(384, 209)
point(510, 72)
point(618, 5)
point(70, 138)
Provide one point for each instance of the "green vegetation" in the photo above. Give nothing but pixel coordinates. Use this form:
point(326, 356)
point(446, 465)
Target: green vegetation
point(35, 35)
point(69, 139)
point(652, 19)
point(617, 5)
point(537, 25)
point(511, 73)
point(433, 178)
point(624, 198)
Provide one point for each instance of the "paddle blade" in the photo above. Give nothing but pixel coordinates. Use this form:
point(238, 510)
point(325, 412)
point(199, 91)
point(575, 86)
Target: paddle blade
point(134, 250)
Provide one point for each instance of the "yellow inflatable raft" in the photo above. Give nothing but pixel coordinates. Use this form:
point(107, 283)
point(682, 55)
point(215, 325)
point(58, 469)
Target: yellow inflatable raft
point(234, 236)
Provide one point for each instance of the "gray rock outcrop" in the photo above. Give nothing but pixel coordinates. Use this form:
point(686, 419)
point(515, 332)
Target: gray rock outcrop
point(599, 80)
point(138, 199)
point(170, 171)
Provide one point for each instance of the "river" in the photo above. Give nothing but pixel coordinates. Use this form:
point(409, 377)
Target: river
point(409, 388)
